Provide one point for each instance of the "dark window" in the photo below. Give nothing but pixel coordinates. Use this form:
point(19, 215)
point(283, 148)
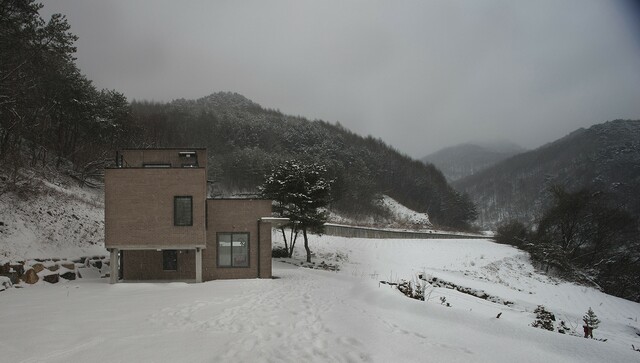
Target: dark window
point(155, 165)
point(170, 260)
point(182, 211)
point(233, 249)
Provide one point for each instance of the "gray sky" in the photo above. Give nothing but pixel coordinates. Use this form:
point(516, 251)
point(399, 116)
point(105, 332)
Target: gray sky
point(421, 75)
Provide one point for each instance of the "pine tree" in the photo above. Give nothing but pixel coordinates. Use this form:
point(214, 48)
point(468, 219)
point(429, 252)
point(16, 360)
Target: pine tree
point(590, 319)
point(301, 193)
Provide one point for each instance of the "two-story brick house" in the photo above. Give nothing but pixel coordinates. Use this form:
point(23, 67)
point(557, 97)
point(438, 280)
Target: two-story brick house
point(161, 225)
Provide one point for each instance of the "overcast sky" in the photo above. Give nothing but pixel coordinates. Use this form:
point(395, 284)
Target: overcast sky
point(421, 75)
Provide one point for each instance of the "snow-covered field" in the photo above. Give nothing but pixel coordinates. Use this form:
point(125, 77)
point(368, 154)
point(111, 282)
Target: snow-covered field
point(308, 315)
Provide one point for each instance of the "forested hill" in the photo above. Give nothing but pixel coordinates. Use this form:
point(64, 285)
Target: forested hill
point(245, 141)
point(52, 116)
point(459, 161)
point(604, 158)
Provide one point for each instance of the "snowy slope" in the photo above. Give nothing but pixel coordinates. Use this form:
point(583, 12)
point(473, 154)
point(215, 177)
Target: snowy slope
point(401, 217)
point(404, 214)
point(321, 316)
point(56, 219)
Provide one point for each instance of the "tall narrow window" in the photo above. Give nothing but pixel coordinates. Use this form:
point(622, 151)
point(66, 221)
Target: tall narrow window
point(169, 260)
point(233, 249)
point(183, 211)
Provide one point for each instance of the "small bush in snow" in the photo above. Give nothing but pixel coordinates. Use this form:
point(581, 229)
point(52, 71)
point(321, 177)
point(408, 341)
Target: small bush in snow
point(544, 318)
point(279, 252)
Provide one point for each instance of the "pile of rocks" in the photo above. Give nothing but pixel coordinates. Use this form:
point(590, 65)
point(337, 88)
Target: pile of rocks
point(52, 270)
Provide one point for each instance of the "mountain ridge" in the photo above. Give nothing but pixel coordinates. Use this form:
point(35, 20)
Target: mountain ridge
point(459, 161)
point(604, 157)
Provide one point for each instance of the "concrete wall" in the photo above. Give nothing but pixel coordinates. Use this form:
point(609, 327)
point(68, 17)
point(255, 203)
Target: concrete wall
point(364, 232)
point(139, 207)
point(238, 215)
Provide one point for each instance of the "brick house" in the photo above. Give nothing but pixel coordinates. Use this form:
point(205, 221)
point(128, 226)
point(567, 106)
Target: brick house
point(161, 225)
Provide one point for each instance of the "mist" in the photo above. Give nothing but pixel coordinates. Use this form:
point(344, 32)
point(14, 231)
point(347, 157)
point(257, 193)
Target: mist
point(420, 75)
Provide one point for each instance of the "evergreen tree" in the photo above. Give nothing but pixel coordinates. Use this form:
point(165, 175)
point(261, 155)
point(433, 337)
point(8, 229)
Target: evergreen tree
point(590, 319)
point(300, 192)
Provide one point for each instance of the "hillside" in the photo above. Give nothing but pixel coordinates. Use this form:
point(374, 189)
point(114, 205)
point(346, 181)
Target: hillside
point(47, 215)
point(245, 141)
point(461, 160)
point(604, 157)
point(312, 315)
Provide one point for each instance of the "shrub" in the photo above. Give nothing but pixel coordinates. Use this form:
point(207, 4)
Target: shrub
point(513, 233)
point(279, 252)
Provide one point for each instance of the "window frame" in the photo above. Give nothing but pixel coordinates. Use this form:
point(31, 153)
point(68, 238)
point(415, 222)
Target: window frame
point(175, 210)
point(218, 250)
point(165, 254)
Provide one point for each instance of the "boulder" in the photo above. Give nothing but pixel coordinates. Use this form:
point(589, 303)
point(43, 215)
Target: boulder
point(96, 264)
point(69, 275)
point(5, 283)
point(19, 268)
point(53, 268)
point(4, 269)
point(14, 277)
point(38, 267)
point(52, 279)
point(30, 277)
point(69, 265)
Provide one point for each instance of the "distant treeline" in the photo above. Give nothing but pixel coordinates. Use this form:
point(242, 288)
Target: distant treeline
point(245, 141)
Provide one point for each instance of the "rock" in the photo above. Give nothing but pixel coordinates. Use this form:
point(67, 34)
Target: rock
point(4, 269)
point(14, 277)
point(19, 268)
point(53, 268)
point(30, 277)
point(80, 260)
point(96, 264)
point(69, 265)
point(38, 267)
point(69, 275)
point(52, 279)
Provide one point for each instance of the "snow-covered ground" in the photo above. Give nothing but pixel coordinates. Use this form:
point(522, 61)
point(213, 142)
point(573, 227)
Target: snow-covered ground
point(308, 315)
point(57, 219)
point(401, 217)
point(404, 214)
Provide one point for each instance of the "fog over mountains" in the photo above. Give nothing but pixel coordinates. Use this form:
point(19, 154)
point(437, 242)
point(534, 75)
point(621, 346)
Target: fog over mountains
point(603, 158)
point(461, 160)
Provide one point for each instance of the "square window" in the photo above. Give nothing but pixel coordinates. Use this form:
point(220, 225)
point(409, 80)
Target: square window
point(183, 211)
point(170, 260)
point(233, 249)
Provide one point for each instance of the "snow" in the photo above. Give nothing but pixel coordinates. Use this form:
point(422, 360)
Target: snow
point(318, 316)
point(59, 219)
point(404, 214)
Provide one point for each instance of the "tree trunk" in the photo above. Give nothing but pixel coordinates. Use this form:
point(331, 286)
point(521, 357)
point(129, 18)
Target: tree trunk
point(306, 243)
point(284, 236)
point(293, 239)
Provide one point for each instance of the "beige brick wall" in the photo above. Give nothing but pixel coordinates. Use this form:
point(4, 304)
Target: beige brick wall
point(147, 265)
point(139, 207)
point(238, 215)
point(139, 157)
